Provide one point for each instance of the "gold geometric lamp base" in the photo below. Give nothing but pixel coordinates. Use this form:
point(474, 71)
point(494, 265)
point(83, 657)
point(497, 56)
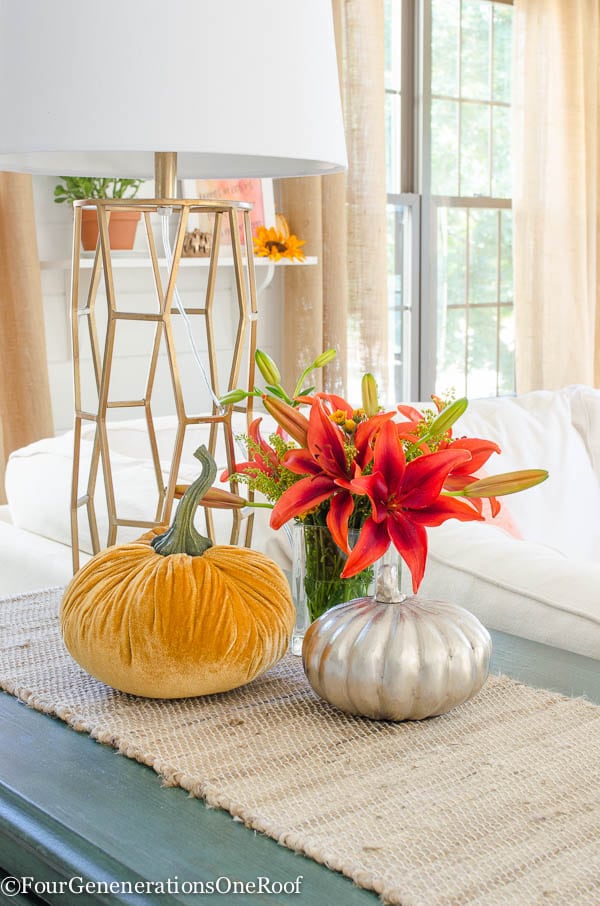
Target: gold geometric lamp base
point(86, 317)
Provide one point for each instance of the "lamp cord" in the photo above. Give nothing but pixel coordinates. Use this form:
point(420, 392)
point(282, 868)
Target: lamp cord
point(164, 217)
point(165, 213)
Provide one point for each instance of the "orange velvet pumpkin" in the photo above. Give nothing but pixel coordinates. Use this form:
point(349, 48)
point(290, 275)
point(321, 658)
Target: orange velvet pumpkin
point(173, 616)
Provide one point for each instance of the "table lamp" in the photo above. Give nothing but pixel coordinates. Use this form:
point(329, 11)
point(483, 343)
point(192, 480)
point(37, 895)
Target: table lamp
point(188, 89)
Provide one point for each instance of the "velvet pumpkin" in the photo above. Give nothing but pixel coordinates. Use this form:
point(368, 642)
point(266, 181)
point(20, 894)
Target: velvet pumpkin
point(172, 615)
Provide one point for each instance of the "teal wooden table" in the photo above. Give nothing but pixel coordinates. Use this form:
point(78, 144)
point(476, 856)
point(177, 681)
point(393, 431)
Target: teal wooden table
point(71, 808)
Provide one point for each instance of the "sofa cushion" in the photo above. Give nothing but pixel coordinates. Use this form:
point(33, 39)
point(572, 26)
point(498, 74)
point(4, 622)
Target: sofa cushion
point(536, 431)
point(29, 562)
point(5, 514)
point(518, 587)
point(38, 481)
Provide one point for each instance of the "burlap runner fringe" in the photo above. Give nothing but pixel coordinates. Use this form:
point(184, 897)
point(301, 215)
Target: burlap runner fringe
point(562, 868)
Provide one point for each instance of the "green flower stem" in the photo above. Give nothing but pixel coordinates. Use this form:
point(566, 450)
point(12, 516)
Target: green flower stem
point(324, 562)
point(298, 386)
point(183, 537)
point(321, 360)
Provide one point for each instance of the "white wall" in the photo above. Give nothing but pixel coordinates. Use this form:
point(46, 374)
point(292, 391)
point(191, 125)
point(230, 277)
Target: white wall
point(135, 292)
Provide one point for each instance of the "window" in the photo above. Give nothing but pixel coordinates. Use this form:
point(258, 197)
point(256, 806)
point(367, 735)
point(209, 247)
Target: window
point(449, 207)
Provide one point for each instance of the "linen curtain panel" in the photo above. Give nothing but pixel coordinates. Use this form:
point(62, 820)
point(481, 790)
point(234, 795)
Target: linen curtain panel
point(342, 302)
point(556, 194)
point(25, 409)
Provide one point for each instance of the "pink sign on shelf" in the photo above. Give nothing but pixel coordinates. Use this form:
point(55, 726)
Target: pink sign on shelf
point(259, 192)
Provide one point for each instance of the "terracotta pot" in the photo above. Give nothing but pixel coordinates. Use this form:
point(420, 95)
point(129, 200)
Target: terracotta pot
point(122, 226)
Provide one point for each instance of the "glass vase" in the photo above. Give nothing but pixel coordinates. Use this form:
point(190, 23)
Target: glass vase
point(317, 562)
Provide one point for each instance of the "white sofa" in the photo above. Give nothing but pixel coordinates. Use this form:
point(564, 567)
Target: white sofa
point(543, 586)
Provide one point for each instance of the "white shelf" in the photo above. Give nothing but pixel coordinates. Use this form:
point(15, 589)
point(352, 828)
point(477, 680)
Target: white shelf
point(133, 260)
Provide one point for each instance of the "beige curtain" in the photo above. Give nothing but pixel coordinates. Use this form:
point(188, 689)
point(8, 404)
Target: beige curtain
point(342, 303)
point(556, 197)
point(25, 411)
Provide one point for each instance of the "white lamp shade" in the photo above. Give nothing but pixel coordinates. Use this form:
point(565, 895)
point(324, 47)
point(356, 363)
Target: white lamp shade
point(236, 88)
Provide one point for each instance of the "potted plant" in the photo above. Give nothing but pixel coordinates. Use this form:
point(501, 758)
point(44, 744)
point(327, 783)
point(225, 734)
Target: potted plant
point(122, 224)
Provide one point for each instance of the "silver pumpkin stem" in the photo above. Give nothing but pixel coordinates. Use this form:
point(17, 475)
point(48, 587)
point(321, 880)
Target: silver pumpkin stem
point(387, 591)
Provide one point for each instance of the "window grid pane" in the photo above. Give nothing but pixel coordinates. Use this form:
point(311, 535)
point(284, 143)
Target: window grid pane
point(475, 50)
point(445, 47)
point(501, 160)
point(506, 257)
point(444, 146)
point(502, 52)
point(470, 65)
point(469, 100)
point(392, 11)
point(474, 150)
point(475, 329)
point(473, 240)
point(483, 257)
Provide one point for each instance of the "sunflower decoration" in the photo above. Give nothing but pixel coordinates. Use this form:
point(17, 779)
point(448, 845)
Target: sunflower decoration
point(277, 242)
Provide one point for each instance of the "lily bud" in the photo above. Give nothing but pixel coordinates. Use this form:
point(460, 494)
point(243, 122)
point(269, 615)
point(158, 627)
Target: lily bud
point(324, 359)
point(505, 483)
point(290, 419)
point(215, 498)
point(369, 395)
point(446, 418)
point(234, 396)
point(267, 367)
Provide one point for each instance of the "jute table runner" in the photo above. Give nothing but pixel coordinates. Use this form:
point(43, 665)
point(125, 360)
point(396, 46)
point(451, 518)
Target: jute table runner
point(497, 802)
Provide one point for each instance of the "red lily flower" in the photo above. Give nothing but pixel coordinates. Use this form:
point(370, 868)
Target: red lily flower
point(412, 414)
point(264, 461)
point(408, 430)
point(328, 473)
point(335, 402)
point(465, 473)
point(365, 430)
point(405, 497)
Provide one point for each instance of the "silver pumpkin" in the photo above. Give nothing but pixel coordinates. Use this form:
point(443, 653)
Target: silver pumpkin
point(393, 657)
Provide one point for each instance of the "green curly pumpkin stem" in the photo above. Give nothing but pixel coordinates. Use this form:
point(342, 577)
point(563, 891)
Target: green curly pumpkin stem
point(182, 537)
